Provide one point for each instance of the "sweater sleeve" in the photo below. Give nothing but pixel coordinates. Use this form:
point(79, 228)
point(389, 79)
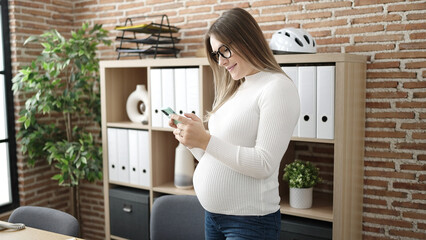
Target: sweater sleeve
point(279, 111)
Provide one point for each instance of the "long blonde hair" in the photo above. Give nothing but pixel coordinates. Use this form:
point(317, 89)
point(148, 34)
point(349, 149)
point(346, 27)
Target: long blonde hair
point(240, 32)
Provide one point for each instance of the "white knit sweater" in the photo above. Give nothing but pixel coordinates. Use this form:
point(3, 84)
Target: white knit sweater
point(237, 174)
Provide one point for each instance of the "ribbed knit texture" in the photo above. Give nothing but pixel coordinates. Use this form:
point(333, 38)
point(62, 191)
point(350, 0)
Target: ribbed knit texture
point(238, 172)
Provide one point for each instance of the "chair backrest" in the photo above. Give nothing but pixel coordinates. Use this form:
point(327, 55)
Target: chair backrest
point(177, 217)
point(48, 219)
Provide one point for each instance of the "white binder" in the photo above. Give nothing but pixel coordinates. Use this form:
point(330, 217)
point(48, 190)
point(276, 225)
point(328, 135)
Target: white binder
point(308, 105)
point(112, 154)
point(133, 157)
point(123, 155)
point(143, 159)
point(325, 102)
point(156, 97)
point(180, 91)
point(168, 97)
point(292, 73)
point(193, 91)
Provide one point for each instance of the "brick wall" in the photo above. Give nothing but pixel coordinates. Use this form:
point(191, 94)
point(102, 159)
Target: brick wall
point(392, 33)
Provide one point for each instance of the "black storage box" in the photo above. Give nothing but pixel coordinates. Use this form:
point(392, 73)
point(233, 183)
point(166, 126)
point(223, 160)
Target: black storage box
point(298, 228)
point(129, 213)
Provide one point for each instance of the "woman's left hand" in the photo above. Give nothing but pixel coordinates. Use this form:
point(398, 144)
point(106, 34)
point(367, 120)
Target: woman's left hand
point(190, 131)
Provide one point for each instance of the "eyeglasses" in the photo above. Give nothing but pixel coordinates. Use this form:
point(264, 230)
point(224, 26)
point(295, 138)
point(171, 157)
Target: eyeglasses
point(223, 51)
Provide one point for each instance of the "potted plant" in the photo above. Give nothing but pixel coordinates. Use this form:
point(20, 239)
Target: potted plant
point(302, 176)
point(62, 109)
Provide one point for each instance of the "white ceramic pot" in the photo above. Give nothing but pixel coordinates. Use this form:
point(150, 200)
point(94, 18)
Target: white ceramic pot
point(137, 105)
point(301, 197)
point(184, 167)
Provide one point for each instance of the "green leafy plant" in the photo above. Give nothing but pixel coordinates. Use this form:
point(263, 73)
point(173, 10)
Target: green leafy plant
point(63, 106)
point(301, 174)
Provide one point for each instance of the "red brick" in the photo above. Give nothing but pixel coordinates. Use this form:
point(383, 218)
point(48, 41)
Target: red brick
point(379, 164)
point(413, 146)
point(311, 15)
point(327, 5)
point(421, 84)
point(381, 211)
point(374, 144)
point(283, 9)
point(405, 27)
point(412, 65)
point(334, 40)
point(355, 30)
point(385, 134)
point(417, 135)
point(406, 7)
point(390, 174)
point(410, 186)
point(417, 95)
point(416, 16)
point(376, 19)
point(418, 35)
point(391, 75)
point(410, 204)
point(358, 11)
point(388, 154)
point(372, 124)
point(377, 105)
point(413, 45)
point(373, 2)
point(413, 167)
point(388, 222)
point(371, 95)
point(269, 3)
point(376, 183)
point(385, 84)
point(323, 24)
point(400, 55)
point(402, 115)
point(369, 48)
point(379, 38)
point(374, 201)
point(411, 104)
point(407, 233)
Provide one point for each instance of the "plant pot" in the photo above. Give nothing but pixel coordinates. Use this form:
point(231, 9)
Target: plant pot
point(301, 197)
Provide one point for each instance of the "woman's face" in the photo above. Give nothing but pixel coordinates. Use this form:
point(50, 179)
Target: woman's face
point(236, 66)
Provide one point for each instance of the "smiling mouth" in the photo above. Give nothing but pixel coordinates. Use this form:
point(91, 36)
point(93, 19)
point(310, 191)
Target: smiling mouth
point(231, 67)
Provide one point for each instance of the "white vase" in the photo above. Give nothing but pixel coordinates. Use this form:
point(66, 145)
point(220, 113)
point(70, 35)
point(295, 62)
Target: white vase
point(184, 167)
point(301, 197)
point(137, 106)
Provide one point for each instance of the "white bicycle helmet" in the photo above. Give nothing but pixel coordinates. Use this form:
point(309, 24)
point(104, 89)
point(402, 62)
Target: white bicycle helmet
point(292, 40)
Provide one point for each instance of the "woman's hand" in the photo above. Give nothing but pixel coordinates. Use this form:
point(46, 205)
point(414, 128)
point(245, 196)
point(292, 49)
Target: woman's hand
point(190, 131)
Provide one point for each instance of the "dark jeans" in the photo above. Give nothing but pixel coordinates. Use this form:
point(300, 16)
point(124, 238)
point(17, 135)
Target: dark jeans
point(230, 227)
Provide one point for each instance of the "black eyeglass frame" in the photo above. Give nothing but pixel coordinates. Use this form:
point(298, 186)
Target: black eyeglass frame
point(215, 55)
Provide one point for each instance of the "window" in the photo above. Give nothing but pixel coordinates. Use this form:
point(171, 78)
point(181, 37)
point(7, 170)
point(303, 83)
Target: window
point(9, 198)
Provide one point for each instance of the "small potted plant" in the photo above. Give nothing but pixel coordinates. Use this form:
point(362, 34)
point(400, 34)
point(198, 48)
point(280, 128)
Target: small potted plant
point(302, 176)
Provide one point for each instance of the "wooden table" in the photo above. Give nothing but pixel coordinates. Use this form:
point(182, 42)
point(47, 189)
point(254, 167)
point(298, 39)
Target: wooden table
point(33, 234)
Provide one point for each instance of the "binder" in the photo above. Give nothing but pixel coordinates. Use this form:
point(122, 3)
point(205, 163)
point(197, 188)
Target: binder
point(143, 159)
point(325, 102)
point(156, 98)
point(193, 91)
point(168, 94)
point(180, 91)
point(112, 154)
point(292, 73)
point(133, 156)
point(308, 92)
point(123, 155)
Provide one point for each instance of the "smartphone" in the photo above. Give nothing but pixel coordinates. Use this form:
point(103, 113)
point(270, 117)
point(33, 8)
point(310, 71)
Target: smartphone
point(167, 112)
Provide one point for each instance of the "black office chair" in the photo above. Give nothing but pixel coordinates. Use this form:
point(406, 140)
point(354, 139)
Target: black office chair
point(177, 217)
point(48, 219)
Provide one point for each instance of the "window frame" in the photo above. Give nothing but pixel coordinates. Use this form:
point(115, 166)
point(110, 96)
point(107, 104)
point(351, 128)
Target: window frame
point(11, 140)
